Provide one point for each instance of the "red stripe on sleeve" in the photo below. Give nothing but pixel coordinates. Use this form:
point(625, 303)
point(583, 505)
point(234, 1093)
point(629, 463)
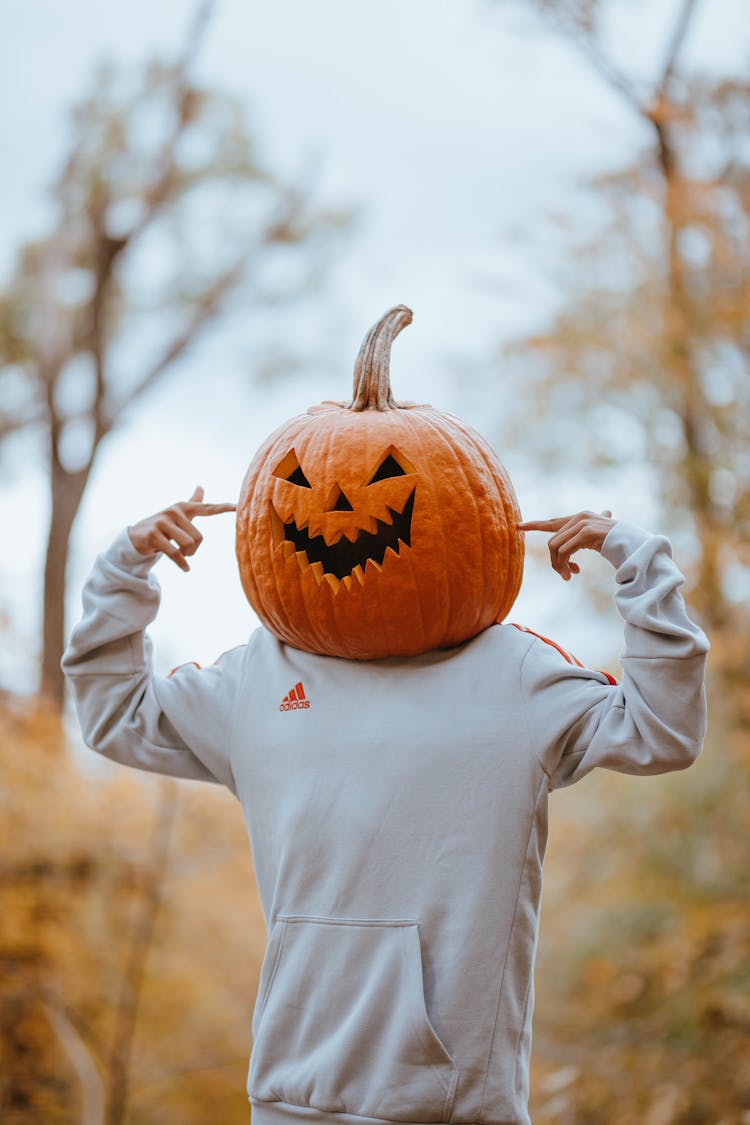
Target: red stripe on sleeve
point(563, 652)
point(610, 678)
point(177, 668)
point(567, 655)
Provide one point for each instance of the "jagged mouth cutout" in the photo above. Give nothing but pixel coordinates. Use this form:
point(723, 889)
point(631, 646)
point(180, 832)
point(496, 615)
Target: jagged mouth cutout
point(346, 559)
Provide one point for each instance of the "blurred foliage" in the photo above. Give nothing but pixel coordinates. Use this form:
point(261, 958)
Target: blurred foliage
point(126, 985)
point(643, 974)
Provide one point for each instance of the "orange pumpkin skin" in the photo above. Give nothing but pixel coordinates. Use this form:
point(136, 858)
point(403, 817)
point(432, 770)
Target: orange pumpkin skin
point(452, 554)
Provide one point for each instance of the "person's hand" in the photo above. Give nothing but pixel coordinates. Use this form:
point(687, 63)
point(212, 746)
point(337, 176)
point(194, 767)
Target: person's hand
point(571, 534)
point(172, 530)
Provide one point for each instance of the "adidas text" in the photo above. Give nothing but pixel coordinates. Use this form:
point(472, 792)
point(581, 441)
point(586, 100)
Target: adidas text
point(295, 700)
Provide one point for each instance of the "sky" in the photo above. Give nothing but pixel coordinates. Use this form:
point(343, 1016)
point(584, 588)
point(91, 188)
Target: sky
point(458, 131)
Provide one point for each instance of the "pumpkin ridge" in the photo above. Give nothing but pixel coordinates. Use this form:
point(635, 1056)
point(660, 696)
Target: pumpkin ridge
point(409, 565)
point(282, 616)
point(292, 628)
point(513, 575)
point(477, 446)
point(412, 422)
point(440, 435)
point(480, 538)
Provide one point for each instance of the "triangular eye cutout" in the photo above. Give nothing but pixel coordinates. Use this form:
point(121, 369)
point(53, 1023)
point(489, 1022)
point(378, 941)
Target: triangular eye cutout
point(298, 477)
point(290, 469)
point(389, 467)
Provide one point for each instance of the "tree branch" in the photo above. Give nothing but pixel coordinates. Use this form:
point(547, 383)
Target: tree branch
point(283, 227)
point(582, 34)
point(109, 248)
point(679, 33)
point(206, 308)
point(92, 1089)
point(107, 252)
point(613, 76)
point(158, 193)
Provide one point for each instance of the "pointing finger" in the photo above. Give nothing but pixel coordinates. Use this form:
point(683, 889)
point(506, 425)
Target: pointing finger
point(544, 525)
point(210, 509)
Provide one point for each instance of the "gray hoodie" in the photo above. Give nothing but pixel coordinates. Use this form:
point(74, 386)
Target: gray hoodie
point(397, 812)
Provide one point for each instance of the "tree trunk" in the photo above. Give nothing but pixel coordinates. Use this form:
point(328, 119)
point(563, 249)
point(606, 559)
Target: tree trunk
point(66, 495)
point(708, 595)
point(134, 973)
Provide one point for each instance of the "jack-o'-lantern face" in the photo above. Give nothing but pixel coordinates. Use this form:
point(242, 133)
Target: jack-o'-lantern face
point(331, 536)
point(367, 531)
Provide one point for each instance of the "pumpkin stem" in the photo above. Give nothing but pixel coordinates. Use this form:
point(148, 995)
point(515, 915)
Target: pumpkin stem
point(372, 379)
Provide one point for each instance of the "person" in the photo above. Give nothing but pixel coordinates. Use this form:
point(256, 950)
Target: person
point(397, 812)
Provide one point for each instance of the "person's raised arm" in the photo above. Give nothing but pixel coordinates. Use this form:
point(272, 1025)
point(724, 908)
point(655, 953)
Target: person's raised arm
point(655, 720)
point(178, 725)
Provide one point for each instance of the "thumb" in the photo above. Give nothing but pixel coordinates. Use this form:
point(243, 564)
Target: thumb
point(197, 494)
point(606, 513)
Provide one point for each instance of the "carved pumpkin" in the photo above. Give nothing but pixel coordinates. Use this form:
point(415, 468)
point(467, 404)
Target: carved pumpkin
point(377, 528)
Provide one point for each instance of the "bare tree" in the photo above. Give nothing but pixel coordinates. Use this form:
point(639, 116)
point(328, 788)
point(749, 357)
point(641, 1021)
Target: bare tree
point(116, 196)
point(655, 322)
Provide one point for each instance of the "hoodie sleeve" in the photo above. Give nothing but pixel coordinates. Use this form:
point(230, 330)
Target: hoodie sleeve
point(178, 725)
point(652, 722)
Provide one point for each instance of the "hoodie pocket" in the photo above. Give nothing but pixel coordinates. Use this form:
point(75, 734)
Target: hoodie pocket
point(341, 1023)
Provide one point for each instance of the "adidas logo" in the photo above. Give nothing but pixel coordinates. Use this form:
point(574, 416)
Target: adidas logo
point(296, 700)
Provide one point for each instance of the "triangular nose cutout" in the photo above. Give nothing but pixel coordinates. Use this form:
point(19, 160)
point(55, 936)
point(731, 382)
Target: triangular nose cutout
point(339, 502)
